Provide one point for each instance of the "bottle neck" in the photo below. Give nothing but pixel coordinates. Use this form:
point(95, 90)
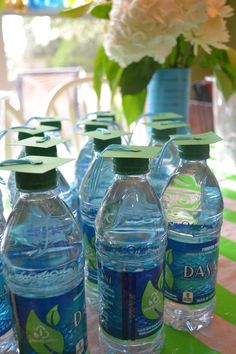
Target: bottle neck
point(158, 142)
point(133, 177)
point(37, 195)
point(192, 163)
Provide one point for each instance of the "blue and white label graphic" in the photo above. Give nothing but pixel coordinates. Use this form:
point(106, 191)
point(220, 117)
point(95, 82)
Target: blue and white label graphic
point(90, 252)
point(5, 308)
point(131, 302)
point(190, 271)
point(52, 325)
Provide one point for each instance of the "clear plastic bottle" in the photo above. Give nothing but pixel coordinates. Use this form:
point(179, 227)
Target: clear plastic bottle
point(95, 183)
point(8, 343)
point(44, 269)
point(193, 206)
point(160, 173)
point(130, 244)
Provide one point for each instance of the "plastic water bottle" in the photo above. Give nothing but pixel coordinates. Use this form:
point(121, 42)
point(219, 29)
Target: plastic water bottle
point(160, 172)
point(193, 207)
point(95, 183)
point(130, 244)
point(44, 268)
point(8, 342)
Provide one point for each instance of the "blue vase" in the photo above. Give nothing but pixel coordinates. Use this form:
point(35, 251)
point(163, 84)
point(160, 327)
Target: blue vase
point(168, 91)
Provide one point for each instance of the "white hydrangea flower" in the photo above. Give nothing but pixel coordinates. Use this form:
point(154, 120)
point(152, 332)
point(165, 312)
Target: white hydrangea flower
point(139, 28)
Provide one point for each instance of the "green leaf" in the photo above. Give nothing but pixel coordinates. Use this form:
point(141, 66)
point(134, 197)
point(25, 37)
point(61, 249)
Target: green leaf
point(113, 73)
point(102, 10)
point(160, 282)
point(152, 302)
point(42, 338)
point(77, 11)
point(133, 105)
point(98, 70)
point(137, 76)
point(169, 279)
point(231, 53)
point(53, 317)
point(2, 4)
point(223, 83)
point(169, 256)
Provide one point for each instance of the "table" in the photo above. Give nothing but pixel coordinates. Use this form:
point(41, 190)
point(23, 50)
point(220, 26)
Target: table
point(220, 336)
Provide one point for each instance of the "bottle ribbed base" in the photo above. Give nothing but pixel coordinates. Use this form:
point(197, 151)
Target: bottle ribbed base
point(110, 345)
point(188, 317)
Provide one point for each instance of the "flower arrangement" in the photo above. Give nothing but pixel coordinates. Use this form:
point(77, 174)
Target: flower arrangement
point(143, 36)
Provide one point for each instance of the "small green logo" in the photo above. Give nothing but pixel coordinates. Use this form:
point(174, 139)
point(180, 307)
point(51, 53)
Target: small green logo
point(42, 338)
point(152, 302)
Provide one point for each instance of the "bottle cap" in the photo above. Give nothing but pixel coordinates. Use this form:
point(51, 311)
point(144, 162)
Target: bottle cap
point(131, 159)
point(195, 146)
point(35, 172)
point(162, 130)
point(43, 146)
point(26, 132)
point(52, 121)
point(104, 138)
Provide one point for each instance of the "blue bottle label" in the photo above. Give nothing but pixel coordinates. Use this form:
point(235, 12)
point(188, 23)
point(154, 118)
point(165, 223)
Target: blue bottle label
point(131, 302)
point(90, 252)
point(52, 325)
point(190, 271)
point(5, 308)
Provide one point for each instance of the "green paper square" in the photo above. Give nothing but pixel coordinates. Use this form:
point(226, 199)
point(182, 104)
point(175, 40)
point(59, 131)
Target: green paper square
point(133, 151)
point(41, 142)
point(48, 164)
point(106, 134)
point(167, 116)
point(32, 130)
point(163, 125)
point(196, 139)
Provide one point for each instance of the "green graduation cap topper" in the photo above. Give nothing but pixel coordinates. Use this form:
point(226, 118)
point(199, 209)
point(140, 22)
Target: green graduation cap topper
point(41, 142)
point(35, 172)
point(187, 144)
point(103, 138)
point(167, 116)
point(91, 125)
point(196, 139)
point(52, 121)
point(131, 159)
point(163, 129)
point(44, 146)
point(32, 130)
point(105, 134)
point(163, 125)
